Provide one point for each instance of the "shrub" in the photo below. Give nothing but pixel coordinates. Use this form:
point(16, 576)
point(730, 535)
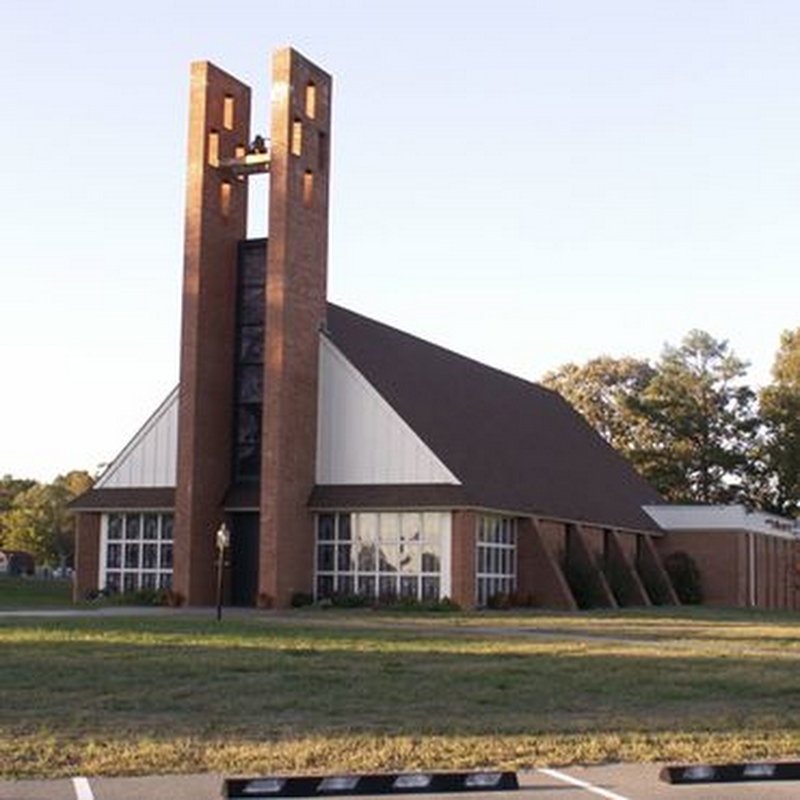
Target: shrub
point(522, 599)
point(582, 581)
point(411, 604)
point(302, 600)
point(351, 601)
point(174, 598)
point(685, 577)
point(141, 597)
point(501, 601)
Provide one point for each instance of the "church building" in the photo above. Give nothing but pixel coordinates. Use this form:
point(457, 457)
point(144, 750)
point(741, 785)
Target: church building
point(344, 456)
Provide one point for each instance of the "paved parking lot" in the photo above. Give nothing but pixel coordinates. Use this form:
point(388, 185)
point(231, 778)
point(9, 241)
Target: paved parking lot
point(613, 782)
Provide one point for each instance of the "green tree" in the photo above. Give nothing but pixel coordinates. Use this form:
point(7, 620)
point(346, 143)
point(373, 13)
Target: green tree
point(603, 391)
point(40, 522)
point(10, 487)
point(705, 421)
point(780, 414)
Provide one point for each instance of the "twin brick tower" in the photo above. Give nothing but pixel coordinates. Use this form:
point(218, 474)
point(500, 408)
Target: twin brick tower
point(350, 457)
point(253, 324)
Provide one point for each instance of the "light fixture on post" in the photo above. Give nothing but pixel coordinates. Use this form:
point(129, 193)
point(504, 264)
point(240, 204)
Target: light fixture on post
point(223, 543)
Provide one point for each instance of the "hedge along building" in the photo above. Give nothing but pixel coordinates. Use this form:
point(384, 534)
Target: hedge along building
point(347, 457)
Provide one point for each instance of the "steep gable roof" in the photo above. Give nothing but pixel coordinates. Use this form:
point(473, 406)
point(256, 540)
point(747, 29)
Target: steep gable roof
point(514, 445)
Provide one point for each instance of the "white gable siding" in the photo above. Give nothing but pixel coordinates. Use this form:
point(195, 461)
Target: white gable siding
point(150, 459)
point(361, 438)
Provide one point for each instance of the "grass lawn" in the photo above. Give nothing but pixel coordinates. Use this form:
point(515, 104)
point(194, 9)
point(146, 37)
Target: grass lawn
point(339, 691)
point(19, 593)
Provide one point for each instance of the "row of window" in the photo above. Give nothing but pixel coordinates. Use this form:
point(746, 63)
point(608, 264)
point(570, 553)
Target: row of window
point(382, 555)
point(133, 527)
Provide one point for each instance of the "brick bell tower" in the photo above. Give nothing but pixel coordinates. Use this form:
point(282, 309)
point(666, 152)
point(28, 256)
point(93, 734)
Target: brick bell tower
point(296, 295)
point(221, 157)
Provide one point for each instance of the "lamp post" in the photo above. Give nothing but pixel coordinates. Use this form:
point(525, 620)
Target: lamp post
point(223, 542)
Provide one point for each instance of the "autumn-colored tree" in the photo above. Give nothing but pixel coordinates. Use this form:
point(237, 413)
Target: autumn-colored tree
point(40, 522)
point(10, 487)
point(688, 423)
point(602, 390)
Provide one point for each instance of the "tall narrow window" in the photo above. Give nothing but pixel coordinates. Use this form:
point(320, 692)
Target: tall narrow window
point(297, 138)
point(322, 151)
point(311, 100)
point(249, 374)
point(213, 149)
point(227, 112)
point(308, 188)
point(495, 558)
point(225, 198)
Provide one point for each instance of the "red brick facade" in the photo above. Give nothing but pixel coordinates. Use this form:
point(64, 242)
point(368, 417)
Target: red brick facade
point(87, 555)
point(740, 568)
point(463, 558)
point(540, 579)
point(618, 568)
point(296, 292)
point(560, 564)
point(216, 214)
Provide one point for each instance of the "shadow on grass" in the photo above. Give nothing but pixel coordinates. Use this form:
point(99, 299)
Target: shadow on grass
point(177, 678)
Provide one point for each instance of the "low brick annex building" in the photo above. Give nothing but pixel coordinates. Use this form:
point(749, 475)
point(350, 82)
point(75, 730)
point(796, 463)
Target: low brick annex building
point(345, 456)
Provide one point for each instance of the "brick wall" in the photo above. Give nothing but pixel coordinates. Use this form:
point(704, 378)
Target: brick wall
point(216, 210)
point(87, 554)
point(463, 558)
point(296, 297)
point(539, 575)
point(721, 559)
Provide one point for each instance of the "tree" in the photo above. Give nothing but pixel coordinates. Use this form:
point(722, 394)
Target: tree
point(705, 420)
point(40, 522)
point(10, 487)
point(780, 414)
point(602, 390)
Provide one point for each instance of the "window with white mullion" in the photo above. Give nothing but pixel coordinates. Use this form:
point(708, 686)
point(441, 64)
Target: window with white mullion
point(495, 557)
point(136, 551)
point(380, 555)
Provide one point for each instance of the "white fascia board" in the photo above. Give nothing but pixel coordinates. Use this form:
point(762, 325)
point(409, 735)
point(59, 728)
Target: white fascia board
point(722, 518)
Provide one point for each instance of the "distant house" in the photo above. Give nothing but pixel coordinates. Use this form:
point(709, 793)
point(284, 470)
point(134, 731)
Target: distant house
point(16, 562)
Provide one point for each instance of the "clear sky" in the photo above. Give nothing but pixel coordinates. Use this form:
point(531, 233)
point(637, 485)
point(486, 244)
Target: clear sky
point(528, 183)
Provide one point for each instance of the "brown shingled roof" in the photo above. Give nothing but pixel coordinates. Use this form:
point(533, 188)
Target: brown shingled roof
point(133, 497)
point(513, 444)
point(390, 495)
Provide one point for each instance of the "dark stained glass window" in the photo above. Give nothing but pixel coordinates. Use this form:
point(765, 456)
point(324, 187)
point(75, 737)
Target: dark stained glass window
point(249, 368)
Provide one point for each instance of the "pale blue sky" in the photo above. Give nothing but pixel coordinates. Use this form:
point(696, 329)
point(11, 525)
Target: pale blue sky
point(528, 183)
